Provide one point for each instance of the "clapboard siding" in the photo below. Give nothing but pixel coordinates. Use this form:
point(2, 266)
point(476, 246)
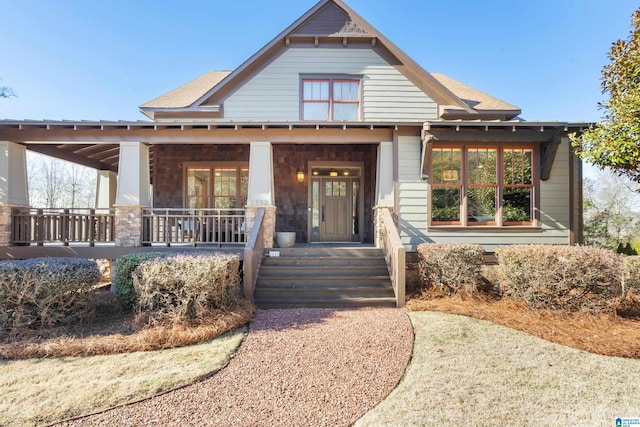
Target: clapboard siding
point(274, 93)
point(412, 207)
point(412, 193)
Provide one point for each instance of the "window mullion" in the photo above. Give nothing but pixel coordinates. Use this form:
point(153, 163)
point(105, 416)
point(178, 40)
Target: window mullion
point(330, 99)
point(464, 185)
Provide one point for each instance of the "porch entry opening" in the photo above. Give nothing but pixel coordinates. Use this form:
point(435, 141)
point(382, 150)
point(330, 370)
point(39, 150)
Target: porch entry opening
point(336, 211)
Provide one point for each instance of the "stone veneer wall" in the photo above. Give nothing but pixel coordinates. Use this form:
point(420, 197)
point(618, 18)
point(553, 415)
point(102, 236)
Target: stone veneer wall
point(291, 195)
point(168, 185)
point(5, 225)
point(268, 223)
point(128, 226)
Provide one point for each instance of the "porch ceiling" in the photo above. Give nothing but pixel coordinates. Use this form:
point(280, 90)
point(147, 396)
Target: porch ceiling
point(97, 156)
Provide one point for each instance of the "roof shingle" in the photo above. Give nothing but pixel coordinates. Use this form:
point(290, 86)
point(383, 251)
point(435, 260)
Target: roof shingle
point(476, 99)
point(187, 94)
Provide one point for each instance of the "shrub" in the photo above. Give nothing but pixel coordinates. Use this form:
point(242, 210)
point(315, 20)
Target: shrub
point(186, 287)
point(123, 267)
point(452, 268)
point(43, 292)
point(567, 278)
point(632, 282)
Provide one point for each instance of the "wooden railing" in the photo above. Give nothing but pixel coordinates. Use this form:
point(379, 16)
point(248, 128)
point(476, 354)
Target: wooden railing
point(253, 255)
point(40, 226)
point(394, 254)
point(194, 226)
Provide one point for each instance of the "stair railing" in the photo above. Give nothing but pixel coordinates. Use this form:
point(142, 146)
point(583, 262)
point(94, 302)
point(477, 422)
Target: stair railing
point(253, 255)
point(394, 253)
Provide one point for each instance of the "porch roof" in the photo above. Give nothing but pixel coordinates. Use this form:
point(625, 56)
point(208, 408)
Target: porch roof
point(95, 144)
point(547, 134)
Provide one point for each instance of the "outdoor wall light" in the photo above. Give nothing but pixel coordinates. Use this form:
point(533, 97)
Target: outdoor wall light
point(333, 172)
point(300, 175)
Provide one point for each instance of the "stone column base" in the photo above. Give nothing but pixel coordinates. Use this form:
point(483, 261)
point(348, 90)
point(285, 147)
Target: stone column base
point(268, 224)
point(378, 229)
point(6, 227)
point(128, 226)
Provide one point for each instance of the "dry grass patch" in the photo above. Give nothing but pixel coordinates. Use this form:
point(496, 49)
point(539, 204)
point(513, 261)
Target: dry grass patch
point(44, 391)
point(471, 372)
point(601, 333)
point(121, 333)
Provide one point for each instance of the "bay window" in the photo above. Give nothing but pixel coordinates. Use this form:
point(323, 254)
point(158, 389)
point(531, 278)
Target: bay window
point(482, 186)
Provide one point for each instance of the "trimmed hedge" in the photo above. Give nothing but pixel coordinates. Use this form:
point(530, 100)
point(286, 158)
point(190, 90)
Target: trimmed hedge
point(44, 292)
point(123, 268)
point(186, 287)
point(451, 268)
point(567, 278)
point(632, 282)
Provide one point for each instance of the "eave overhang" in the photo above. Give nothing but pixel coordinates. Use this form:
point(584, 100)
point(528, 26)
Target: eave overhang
point(95, 144)
point(546, 135)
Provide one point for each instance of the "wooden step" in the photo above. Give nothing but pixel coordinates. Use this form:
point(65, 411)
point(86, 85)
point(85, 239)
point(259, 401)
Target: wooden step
point(324, 277)
point(335, 302)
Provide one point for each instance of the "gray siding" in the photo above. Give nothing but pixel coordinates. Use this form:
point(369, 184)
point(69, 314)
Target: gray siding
point(412, 207)
point(412, 193)
point(274, 93)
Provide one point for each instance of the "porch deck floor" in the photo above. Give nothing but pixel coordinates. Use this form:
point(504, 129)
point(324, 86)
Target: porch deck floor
point(321, 245)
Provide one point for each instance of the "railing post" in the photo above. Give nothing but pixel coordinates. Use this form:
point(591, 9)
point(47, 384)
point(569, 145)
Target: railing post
point(92, 227)
point(39, 227)
point(65, 220)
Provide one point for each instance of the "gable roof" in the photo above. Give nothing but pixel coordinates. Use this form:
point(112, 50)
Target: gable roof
point(187, 94)
point(480, 101)
point(331, 19)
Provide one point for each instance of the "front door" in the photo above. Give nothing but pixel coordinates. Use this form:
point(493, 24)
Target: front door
point(335, 208)
point(335, 205)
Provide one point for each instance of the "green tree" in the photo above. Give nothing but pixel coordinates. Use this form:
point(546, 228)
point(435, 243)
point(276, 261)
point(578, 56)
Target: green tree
point(611, 211)
point(613, 142)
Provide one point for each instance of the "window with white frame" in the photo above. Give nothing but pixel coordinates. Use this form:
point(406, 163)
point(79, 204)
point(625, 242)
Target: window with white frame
point(330, 99)
point(482, 186)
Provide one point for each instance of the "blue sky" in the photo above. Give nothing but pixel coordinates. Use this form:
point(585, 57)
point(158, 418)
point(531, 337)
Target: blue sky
point(72, 59)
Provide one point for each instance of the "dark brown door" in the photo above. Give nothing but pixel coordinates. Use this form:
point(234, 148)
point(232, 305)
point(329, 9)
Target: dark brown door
point(335, 204)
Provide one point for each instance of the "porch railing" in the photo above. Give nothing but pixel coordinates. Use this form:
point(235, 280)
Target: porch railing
point(394, 254)
point(194, 226)
point(64, 226)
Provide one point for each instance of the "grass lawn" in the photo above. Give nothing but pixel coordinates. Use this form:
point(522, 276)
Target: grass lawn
point(43, 391)
point(466, 371)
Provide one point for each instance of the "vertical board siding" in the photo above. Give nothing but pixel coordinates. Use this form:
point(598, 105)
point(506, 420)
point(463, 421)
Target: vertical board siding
point(412, 207)
point(274, 93)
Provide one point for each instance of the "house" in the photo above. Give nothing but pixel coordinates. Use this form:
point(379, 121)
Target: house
point(329, 131)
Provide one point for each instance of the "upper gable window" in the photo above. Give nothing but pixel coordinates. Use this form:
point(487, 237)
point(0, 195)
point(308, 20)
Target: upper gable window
point(327, 99)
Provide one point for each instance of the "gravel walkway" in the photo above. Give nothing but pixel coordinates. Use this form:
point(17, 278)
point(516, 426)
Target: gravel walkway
point(296, 367)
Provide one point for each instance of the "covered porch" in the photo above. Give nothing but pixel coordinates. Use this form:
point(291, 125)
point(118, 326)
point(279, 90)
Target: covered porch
point(144, 199)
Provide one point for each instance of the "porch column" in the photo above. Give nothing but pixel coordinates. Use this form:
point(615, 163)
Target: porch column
point(261, 189)
point(106, 187)
point(14, 189)
point(133, 193)
point(385, 195)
